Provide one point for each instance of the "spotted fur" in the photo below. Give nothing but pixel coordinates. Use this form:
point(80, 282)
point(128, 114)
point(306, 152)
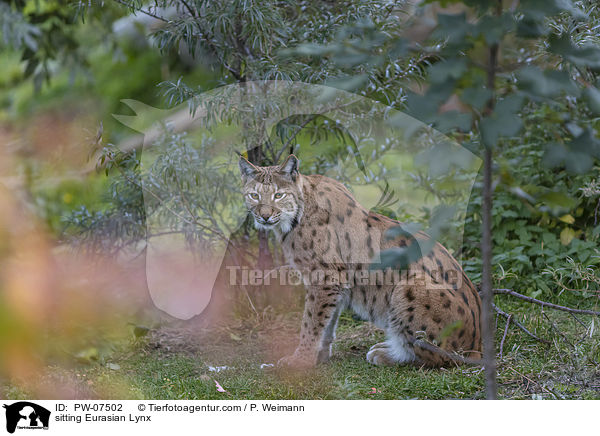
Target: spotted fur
point(322, 229)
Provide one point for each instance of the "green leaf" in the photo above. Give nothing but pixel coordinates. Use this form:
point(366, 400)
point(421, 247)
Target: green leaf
point(351, 83)
point(440, 72)
point(425, 107)
point(476, 97)
point(577, 156)
point(454, 28)
point(504, 121)
point(87, 355)
point(587, 55)
point(529, 27)
point(398, 258)
point(452, 120)
point(441, 219)
point(399, 48)
point(449, 330)
point(575, 163)
point(574, 129)
point(140, 331)
point(534, 12)
point(586, 143)
point(509, 105)
point(443, 3)
point(494, 28)
point(472, 3)
point(548, 238)
point(592, 98)
point(540, 9)
point(406, 124)
point(402, 257)
point(521, 193)
point(568, 218)
point(420, 106)
point(548, 83)
point(309, 49)
point(556, 200)
point(567, 235)
point(443, 158)
point(407, 230)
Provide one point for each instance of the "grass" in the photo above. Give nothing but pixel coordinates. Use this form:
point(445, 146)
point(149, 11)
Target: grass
point(181, 375)
point(172, 362)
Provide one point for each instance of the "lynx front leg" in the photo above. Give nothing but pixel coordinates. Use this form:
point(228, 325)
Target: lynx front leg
point(329, 334)
point(322, 308)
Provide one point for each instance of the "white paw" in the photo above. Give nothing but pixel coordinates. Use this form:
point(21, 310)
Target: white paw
point(324, 355)
point(380, 357)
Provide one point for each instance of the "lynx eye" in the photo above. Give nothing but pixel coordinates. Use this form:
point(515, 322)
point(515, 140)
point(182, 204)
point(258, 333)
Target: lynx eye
point(254, 196)
point(278, 195)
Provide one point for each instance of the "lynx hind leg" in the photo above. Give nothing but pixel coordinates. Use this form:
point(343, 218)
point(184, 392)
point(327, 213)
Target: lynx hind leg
point(401, 346)
point(403, 350)
point(410, 315)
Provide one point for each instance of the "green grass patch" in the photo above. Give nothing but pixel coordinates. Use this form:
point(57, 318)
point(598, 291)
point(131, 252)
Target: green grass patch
point(173, 362)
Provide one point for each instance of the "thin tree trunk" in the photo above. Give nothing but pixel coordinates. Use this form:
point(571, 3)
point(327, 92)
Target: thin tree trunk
point(489, 348)
point(487, 327)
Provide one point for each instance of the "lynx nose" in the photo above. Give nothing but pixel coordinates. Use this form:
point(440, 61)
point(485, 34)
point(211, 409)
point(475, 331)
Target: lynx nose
point(266, 213)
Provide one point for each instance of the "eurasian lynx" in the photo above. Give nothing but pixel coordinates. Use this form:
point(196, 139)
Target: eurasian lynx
point(324, 231)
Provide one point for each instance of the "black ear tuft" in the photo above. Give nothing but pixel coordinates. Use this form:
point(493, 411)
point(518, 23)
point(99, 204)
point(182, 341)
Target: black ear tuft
point(246, 168)
point(290, 167)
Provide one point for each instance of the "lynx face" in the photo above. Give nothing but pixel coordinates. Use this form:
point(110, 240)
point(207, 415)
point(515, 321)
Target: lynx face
point(273, 195)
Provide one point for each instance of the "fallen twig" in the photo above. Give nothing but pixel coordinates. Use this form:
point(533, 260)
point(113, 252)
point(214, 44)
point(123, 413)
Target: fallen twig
point(579, 321)
point(583, 338)
point(518, 324)
point(550, 391)
point(555, 327)
point(504, 335)
point(544, 303)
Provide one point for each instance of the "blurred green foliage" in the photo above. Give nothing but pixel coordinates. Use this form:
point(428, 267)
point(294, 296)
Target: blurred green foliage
point(543, 125)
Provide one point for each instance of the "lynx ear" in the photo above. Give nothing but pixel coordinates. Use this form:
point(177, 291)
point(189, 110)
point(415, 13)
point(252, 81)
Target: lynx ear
point(246, 168)
point(290, 167)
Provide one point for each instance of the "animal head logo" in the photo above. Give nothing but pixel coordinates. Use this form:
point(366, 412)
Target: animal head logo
point(26, 415)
